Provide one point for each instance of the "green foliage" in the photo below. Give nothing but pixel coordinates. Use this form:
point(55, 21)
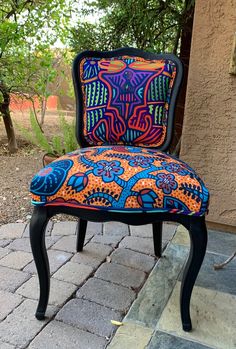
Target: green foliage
point(28, 29)
point(36, 136)
point(152, 25)
point(69, 139)
point(58, 145)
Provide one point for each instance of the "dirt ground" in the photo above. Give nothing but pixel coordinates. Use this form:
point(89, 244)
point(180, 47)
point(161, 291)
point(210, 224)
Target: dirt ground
point(17, 170)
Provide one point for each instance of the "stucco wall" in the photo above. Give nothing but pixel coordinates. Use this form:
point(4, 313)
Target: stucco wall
point(209, 131)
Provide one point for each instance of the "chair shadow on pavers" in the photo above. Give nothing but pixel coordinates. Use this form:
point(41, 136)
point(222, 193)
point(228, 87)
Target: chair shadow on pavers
point(124, 121)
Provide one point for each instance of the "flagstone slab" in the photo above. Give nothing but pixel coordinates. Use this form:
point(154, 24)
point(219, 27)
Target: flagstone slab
point(181, 236)
point(218, 242)
point(221, 242)
point(152, 298)
point(161, 340)
point(131, 336)
point(213, 316)
point(220, 280)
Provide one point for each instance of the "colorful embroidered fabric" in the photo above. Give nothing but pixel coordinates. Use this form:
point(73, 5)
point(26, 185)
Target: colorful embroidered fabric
point(121, 178)
point(126, 100)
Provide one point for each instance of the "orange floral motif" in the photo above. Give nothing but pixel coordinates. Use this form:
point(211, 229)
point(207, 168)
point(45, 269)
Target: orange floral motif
point(119, 178)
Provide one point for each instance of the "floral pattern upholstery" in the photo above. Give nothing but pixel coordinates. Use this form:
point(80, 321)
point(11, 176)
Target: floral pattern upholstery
point(121, 178)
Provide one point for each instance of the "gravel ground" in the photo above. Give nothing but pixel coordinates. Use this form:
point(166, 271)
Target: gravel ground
point(17, 170)
point(16, 173)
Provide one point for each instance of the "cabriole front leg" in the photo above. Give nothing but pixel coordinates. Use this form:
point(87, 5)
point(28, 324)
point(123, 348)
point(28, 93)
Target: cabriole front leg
point(198, 239)
point(38, 225)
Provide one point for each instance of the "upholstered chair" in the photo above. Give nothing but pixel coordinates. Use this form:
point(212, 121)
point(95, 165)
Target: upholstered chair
point(122, 171)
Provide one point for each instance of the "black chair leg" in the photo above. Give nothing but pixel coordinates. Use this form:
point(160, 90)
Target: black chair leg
point(38, 225)
point(157, 238)
point(198, 237)
point(81, 232)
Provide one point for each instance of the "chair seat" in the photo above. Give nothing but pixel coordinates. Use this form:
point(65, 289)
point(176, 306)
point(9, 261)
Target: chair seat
point(122, 179)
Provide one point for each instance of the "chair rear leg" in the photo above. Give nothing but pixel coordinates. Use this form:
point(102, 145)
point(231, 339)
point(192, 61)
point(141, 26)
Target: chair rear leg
point(81, 232)
point(38, 225)
point(198, 238)
point(157, 238)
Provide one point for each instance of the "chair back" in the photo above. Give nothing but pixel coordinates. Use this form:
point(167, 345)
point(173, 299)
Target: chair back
point(126, 97)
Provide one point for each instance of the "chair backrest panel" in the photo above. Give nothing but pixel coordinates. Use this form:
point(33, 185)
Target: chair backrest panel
point(125, 97)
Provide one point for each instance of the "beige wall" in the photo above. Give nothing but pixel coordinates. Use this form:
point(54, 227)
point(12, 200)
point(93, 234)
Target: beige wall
point(209, 132)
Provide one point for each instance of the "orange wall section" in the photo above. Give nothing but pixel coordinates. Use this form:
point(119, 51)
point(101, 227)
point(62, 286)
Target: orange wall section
point(19, 104)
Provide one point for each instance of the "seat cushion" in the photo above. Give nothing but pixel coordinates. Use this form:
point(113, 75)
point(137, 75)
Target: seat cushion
point(122, 179)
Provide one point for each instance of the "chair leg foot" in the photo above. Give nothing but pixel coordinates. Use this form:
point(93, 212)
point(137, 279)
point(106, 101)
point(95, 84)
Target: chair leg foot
point(187, 327)
point(157, 238)
point(40, 315)
point(81, 232)
point(38, 225)
point(198, 236)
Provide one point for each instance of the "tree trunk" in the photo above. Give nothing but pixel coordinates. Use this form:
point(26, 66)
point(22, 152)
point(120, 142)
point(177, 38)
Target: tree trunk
point(5, 112)
point(185, 48)
point(43, 110)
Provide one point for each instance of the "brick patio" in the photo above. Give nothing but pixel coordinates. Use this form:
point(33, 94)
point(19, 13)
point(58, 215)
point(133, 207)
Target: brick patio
point(116, 277)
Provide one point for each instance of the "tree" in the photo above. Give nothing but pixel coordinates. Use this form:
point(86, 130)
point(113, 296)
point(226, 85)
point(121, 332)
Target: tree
point(28, 28)
point(146, 24)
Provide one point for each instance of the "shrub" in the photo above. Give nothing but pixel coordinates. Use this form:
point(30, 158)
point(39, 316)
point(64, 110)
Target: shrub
point(58, 145)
